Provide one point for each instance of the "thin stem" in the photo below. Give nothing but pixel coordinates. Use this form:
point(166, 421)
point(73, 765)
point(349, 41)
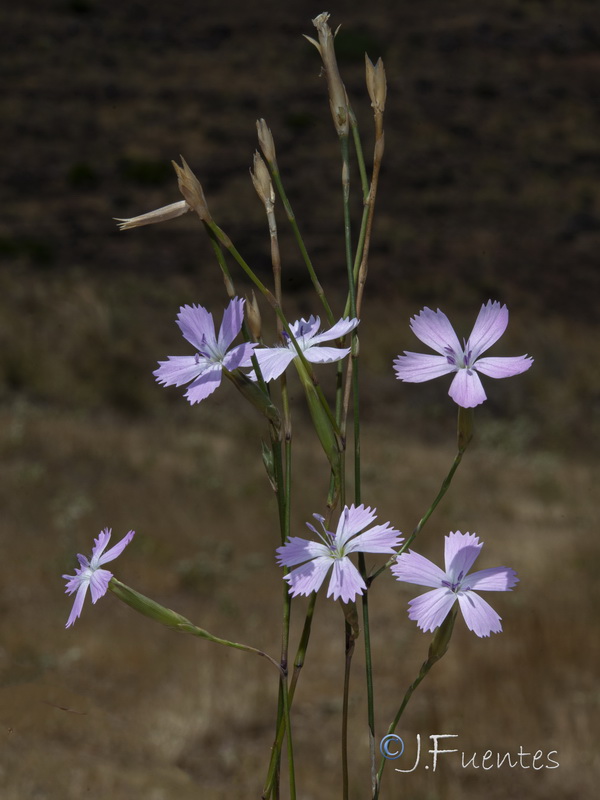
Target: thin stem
point(349, 652)
point(443, 489)
point(298, 664)
point(274, 170)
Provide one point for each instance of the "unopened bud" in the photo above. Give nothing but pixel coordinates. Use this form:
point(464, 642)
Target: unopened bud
point(265, 139)
point(376, 84)
point(158, 215)
point(262, 182)
point(190, 188)
point(253, 317)
point(338, 99)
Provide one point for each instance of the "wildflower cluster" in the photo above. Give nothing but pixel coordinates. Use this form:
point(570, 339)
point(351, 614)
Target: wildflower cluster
point(347, 532)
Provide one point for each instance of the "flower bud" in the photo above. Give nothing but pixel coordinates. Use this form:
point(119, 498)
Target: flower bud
point(338, 99)
point(190, 188)
point(158, 215)
point(376, 84)
point(265, 139)
point(262, 182)
point(253, 317)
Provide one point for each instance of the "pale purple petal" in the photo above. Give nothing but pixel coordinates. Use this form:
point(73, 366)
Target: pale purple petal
point(115, 551)
point(197, 325)
point(100, 543)
point(325, 355)
point(489, 326)
point(466, 389)
point(273, 361)
point(412, 567)
point(205, 384)
point(240, 356)
point(434, 329)
point(180, 369)
point(346, 581)
point(309, 577)
point(99, 580)
point(460, 552)
point(231, 325)
point(494, 579)
point(305, 328)
point(353, 519)
point(429, 610)
point(479, 616)
point(379, 539)
point(420, 367)
point(341, 328)
point(297, 550)
point(503, 367)
point(78, 602)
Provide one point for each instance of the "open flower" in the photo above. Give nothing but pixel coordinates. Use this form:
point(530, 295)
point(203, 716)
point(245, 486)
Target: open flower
point(430, 609)
point(90, 575)
point(334, 550)
point(274, 360)
point(434, 329)
point(205, 368)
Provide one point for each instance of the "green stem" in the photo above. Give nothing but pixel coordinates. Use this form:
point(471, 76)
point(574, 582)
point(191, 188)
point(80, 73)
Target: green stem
point(153, 610)
point(437, 649)
point(443, 489)
point(298, 664)
point(274, 170)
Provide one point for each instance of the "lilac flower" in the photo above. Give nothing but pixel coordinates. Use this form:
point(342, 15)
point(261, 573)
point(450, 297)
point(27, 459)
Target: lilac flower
point(430, 609)
point(334, 550)
point(434, 329)
point(274, 360)
point(90, 573)
point(205, 368)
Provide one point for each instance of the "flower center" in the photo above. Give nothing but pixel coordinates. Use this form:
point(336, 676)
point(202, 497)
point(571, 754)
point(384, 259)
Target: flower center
point(455, 586)
point(462, 360)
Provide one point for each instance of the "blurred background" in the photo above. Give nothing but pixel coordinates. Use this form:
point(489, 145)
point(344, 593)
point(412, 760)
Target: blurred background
point(489, 189)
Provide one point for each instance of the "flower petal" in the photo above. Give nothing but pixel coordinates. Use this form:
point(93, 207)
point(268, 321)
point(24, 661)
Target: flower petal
point(305, 328)
point(309, 577)
point(412, 567)
point(115, 551)
point(503, 367)
point(273, 361)
point(233, 316)
point(297, 550)
point(479, 616)
point(346, 581)
point(434, 329)
point(489, 326)
point(78, 603)
point(325, 355)
point(197, 325)
point(460, 552)
point(99, 580)
point(494, 579)
point(466, 389)
point(379, 539)
point(420, 367)
point(240, 356)
point(429, 610)
point(341, 328)
point(180, 369)
point(205, 384)
point(353, 519)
